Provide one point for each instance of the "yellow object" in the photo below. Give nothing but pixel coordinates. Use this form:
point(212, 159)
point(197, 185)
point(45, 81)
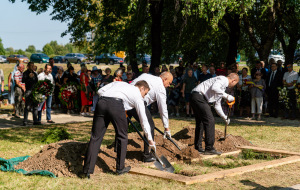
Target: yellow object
point(120, 54)
point(249, 82)
point(230, 104)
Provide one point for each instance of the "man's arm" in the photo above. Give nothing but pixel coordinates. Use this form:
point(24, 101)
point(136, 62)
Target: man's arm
point(9, 81)
point(217, 88)
point(140, 109)
point(161, 99)
point(219, 109)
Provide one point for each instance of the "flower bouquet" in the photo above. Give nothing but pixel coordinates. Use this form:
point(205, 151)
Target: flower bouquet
point(42, 87)
point(283, 97)
point(68, 92)
point(297, 90)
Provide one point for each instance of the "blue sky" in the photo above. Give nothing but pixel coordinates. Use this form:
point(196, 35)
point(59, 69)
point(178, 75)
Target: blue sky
point(19, 27)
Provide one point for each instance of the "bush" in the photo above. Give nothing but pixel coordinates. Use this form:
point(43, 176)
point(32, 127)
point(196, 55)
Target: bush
point(56, 134)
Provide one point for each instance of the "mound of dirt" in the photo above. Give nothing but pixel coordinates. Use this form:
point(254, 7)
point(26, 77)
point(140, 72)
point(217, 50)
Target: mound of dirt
point(65, 158)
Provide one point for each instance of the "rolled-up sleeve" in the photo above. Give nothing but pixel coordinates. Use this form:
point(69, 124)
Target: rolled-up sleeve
point(161, 98)
point(140, 109)
point(219, 109)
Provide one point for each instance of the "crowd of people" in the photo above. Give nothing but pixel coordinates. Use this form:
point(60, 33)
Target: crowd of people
point(257, 92)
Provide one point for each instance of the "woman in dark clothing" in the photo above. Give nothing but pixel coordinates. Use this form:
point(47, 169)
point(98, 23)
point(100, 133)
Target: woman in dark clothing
point(58, 84)
point(108, 78)
point(70, 76)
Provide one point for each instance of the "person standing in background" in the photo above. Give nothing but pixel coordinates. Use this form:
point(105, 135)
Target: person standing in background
point(2, 80)
point(54, 68)
point(42, 76)
point(11, 88)
point(189, 83)
point(19, 91)
point(96, 81)
point(84, 94)
point(289, 80)
point(30, 79)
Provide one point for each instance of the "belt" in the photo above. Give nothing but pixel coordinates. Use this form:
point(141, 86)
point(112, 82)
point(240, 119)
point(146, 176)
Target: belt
point(111, 98)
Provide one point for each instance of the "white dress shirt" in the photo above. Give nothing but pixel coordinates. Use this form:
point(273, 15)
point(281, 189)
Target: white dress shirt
point(290, 77)
point(43, 76)
point(131, 97)
point(157, 93)
point(214, 90)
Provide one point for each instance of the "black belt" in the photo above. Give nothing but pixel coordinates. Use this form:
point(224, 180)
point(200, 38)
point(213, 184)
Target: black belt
point(111, 98)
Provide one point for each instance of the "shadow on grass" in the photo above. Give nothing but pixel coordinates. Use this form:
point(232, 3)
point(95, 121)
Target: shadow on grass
point(257, 186)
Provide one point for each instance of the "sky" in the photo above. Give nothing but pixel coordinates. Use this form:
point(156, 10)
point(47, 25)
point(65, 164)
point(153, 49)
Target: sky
point(19, 27)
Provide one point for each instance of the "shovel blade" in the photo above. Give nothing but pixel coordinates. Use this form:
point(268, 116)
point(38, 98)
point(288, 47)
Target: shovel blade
point(158, 165)
point(167, 165)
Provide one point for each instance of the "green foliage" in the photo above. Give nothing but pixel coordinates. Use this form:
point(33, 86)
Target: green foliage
point(31, 49)
point(2, 50)
point(47, 49)
point(56, 134)
point(227, 165)
point(131, 129)
point(21, 52)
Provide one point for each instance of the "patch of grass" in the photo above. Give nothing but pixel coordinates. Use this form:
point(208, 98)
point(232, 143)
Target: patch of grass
point(56, 134)
point(249, 154)
point(178, 168)
point(226, 165)
point(131, 128)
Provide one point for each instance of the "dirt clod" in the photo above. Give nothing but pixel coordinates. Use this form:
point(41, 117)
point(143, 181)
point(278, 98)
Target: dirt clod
point(65, 158)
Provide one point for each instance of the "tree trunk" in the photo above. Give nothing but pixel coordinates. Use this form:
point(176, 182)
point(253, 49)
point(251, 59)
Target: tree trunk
point(132, 52)
point(234, 37)
point(290, 50)
point(156, 9)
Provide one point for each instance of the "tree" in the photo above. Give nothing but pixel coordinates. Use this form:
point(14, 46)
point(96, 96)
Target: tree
point(10, 50)
point(2, 50)
point(260, 26)
point(31, 49)
point(47, 49)
point(21, 52)
point(287, 25)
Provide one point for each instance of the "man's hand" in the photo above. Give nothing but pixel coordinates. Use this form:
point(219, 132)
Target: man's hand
point(230, 98)
point(227, 120)
point(152, 146)
point(167, 133)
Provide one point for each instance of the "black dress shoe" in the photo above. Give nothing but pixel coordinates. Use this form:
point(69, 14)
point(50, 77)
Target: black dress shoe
point(201, 150)
point(50, 121)
point(212, 152)
point(84, 176)
point(37, 123)
point(149, 159)
point(124, 170)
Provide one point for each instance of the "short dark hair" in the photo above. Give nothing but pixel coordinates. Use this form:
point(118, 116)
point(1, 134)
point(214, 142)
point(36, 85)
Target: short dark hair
point(142, 83)
point(70, 68)
point(245, 68)
point(50, 59)
point(29, 63)
point(47, 65)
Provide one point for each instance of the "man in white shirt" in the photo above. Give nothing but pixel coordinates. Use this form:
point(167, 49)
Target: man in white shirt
point(115, 98)
point(289, 81)
point(157, 94)
point(210, 91)
point(42, 76)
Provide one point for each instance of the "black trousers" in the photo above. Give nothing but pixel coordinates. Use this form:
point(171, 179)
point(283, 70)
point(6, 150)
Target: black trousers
point(133, 113)
point(107, 110)
point(205, 121)
point(273, 103)
point(28, 105)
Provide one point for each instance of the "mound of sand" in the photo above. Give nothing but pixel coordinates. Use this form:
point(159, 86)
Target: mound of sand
point(65, 158)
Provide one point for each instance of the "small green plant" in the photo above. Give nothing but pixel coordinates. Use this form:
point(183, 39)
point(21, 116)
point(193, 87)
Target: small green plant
point(137, 125)
point(56, 134)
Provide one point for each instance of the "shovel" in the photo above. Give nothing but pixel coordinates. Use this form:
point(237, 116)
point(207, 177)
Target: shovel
point(230, 104)
point(168, 138)
point(161, 163)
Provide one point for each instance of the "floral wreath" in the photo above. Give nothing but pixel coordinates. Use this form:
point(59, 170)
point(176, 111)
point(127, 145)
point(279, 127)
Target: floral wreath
point(68, 92)
point(42, 87)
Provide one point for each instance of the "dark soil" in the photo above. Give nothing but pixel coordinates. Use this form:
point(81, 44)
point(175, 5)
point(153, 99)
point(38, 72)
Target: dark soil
point(65, 158)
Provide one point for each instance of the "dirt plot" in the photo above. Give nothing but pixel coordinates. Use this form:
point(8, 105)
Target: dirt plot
point(65, 158)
